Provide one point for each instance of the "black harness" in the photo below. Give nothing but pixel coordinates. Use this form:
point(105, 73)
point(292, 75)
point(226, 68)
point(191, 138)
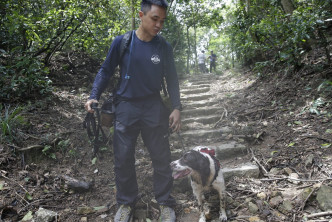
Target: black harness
point(211, 152)
point(94, 129)
point(216, 166)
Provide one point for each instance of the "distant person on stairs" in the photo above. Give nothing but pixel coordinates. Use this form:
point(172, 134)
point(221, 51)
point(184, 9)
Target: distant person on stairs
point(140, 111)
point(201, 62)
point(213, 59)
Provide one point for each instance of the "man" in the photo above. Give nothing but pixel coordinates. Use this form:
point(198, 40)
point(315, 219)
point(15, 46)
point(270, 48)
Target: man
point(201, 61)
point(213, 58)
point(139, 109)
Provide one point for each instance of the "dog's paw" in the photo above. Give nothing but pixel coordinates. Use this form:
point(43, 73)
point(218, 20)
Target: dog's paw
point(202, 217)
point(223, 218)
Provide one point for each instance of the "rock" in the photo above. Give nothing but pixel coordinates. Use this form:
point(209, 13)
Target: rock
point(275, 193)
point(84, 219)
point(275, 201)
point(286, 207)
point(255, 219)
point(248, 199)
point(85, 210)
point(77, 185)
point(279, 216)
point(294, 176)
point(275, 171)
point(290, 193)
point(44, 215)
point(324, 198)
point(309, 160)
point(252, 208)
point(261, 195)
point(288, 171)
point(304, 195)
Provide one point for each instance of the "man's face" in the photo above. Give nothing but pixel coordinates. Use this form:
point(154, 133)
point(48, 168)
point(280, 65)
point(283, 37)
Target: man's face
point(153, 20)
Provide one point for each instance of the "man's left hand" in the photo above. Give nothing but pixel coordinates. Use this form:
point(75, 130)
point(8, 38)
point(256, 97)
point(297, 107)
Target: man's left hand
point(175, 120)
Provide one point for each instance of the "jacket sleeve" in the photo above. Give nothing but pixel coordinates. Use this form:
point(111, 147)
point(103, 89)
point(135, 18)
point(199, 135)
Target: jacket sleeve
point(107, 69)
point(172, 78)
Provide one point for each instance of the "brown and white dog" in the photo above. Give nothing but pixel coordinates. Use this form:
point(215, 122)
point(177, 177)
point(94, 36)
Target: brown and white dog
point(205, 173)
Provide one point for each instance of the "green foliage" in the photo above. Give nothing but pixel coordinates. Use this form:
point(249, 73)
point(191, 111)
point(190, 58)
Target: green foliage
point(263, 32)
point(325, 87)
point(11, 120)
point(315, 105)
point(62, 146)
point(32, 32)
point(24, 78)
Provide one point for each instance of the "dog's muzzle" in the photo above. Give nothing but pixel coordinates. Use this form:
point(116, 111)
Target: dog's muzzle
point(178, 171)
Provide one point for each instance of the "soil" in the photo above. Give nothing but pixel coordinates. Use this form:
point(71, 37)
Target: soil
point(284, 118)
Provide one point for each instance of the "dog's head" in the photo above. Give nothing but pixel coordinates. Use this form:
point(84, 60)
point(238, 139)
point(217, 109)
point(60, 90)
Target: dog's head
point(192, 162)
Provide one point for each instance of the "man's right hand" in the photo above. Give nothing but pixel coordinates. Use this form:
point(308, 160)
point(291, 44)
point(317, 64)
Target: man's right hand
point(88, 103)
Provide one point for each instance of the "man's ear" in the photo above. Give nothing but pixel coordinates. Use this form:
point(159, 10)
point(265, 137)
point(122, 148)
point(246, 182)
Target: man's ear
point(140, 14)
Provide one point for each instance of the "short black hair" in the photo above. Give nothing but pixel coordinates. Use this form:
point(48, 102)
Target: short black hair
point(146, 4)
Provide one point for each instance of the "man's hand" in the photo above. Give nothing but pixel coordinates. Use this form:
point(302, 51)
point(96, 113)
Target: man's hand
point(175, 120)
point(88, 103)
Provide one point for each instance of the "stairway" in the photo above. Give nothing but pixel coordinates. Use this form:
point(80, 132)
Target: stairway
point(202, 111)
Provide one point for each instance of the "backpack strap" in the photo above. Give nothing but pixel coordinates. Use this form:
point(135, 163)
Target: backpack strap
point(163, 52)
point(125, 43)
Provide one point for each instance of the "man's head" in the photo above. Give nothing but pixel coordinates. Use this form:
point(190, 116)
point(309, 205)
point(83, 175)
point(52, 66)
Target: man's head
point(146, 4)
point(152, 15)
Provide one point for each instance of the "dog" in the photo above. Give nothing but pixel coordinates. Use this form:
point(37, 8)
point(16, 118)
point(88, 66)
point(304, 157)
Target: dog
point(205, 172)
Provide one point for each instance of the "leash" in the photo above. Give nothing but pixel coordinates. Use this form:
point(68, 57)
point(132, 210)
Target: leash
point(93, 127)
point(181, 140)
point(179, 136)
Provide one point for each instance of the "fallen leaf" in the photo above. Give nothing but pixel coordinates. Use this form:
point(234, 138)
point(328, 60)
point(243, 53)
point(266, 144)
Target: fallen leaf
point(28, 216)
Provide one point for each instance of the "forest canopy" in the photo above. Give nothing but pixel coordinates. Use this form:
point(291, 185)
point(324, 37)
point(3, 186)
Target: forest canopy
point(255, 33)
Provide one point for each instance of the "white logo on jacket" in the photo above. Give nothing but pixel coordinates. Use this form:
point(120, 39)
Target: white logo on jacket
point(155, 59)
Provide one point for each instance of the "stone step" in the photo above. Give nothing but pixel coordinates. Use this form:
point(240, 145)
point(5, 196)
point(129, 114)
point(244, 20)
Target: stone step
point(202, 82)
point(210, 119)
point(197, 97)
point(247, 170)
point(224, 150)
point(207, 78)
point(195, 90)
point(202, 111)
point(228, 150)
point(198, 104)
point(200, 77)
point(202, 135)
point(193, 86)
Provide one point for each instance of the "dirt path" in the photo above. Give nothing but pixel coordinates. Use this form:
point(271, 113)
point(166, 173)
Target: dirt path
point(270, 124)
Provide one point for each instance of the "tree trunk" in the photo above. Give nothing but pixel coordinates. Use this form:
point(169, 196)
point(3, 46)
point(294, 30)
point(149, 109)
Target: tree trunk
point(188, 50)
point(248, 5)
point(133, 14)
point(195, 40)
point(287, 6)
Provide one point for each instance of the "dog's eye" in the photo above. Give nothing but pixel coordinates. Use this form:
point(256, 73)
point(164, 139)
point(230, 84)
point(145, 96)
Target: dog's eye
point(186, 156)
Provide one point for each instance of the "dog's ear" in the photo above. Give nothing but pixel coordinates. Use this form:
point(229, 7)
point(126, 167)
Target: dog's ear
point(204, 168)
point(199, 163)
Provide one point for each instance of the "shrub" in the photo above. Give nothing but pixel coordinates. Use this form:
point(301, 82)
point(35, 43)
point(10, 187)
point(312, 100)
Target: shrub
point(11, 121)
point(23, 78)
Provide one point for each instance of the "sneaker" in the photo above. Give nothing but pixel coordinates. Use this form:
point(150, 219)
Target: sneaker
point(167, 214)
point(124, 214)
